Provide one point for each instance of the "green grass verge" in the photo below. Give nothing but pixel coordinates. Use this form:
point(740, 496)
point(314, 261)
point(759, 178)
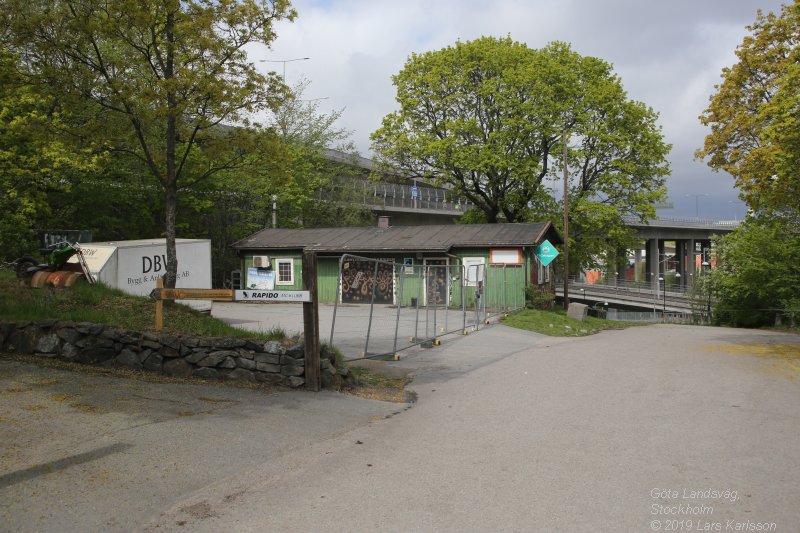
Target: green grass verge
point(558, 324)
point(375, 386)
point(103, 305)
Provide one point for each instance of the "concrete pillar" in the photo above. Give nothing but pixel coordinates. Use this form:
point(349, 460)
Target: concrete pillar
point(652, 262)
point(680, 256)
point(637, 260)
point(622, 266)
point(691, 261)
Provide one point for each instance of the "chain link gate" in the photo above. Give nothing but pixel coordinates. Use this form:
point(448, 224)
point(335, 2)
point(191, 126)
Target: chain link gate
point(384, 307)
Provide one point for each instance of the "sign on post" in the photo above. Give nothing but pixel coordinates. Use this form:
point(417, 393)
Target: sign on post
point(545, 253)
point(272, 296)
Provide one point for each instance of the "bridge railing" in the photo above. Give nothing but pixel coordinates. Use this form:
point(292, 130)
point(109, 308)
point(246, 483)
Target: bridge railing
point(395, 195)
point(624, 286)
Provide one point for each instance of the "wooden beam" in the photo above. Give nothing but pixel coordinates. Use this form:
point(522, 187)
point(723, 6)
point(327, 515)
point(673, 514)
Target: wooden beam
point(218, 295)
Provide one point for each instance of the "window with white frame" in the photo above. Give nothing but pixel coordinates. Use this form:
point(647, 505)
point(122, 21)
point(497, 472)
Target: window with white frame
point(544, 273)
point(473, 270)
point(285, 271)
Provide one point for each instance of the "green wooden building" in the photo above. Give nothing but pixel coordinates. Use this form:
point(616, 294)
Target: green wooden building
point(438, 264)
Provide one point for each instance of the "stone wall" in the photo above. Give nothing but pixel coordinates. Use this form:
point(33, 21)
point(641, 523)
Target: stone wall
point(175, 355)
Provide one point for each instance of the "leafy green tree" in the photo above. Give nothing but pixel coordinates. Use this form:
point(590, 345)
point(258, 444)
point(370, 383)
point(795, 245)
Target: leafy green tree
point(757, 274)
point(34, 160)
point(753, 116)
point(172, 71)
point(310, 195)
point(118, 201)
point(486, 118)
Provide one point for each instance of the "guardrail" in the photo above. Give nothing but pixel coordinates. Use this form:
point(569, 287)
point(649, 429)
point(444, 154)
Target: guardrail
point(638, 294)
point(396, 195)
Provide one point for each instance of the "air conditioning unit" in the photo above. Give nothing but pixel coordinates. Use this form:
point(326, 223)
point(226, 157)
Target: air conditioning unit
point(261, 261)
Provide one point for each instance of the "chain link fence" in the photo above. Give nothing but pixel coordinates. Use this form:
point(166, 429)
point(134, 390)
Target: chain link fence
point(384, 307)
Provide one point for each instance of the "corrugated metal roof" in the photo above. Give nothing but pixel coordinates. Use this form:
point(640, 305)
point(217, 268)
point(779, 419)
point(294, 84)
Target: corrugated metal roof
point(439, 238)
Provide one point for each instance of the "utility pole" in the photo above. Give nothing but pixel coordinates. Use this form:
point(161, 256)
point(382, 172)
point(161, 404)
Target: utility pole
point(566, 222)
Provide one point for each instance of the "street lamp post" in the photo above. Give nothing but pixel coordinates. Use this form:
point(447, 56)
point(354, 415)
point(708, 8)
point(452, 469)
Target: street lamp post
point(660, 279)
point(707, 266)
point(697, 203)
point(284, 61)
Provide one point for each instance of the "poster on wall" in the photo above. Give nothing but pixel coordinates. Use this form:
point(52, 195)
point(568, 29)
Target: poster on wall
point(436, 282)
point(260, 278)
point(357, 279)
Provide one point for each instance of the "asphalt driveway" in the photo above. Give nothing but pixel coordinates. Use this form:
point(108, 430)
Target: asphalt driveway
point(658, 428)
point(86, 452)
point(620, 431)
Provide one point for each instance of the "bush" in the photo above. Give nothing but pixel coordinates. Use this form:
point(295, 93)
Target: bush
point(539, 298)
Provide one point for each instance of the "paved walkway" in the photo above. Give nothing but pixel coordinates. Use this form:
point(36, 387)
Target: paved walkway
point(83, 453)
point(621, 431)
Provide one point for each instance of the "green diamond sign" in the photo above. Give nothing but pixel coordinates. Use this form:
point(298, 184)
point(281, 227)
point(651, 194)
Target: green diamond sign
point(545, 253)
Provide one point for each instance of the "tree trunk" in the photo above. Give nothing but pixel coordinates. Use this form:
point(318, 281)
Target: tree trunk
point(171, 211)
point(171, 179)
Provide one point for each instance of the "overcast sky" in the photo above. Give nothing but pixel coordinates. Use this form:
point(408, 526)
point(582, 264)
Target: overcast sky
point(669, 54)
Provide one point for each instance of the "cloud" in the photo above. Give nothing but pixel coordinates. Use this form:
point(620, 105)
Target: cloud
point(668, 54)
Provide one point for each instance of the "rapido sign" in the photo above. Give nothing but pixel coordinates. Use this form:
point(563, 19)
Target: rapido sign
point(272, 296)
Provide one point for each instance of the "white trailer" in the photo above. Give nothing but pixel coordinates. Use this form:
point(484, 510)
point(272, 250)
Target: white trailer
point(134, 266)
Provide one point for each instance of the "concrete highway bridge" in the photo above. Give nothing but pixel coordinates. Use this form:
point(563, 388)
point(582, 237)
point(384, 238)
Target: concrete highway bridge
point(671, 255)
point(682, 246)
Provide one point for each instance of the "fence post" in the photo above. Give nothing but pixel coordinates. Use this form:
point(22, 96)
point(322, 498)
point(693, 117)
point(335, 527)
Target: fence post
point(311, 322)
point(463, 271)
point(371, 306)
point(336, 299)
point(505, 289)
point(419, 298)
point(435, 308)
point(397, 318)
point(427, 303)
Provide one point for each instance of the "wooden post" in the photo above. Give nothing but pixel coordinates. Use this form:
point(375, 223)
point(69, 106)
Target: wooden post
point(311, 322)
point(159, 305)
point(566, 222)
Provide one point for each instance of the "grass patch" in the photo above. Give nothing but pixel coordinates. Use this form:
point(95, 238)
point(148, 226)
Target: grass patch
point(85, 407)
point(558, 324)
point(216, 400)
point(104, 305)
point(17, 388)
point(374, 386)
